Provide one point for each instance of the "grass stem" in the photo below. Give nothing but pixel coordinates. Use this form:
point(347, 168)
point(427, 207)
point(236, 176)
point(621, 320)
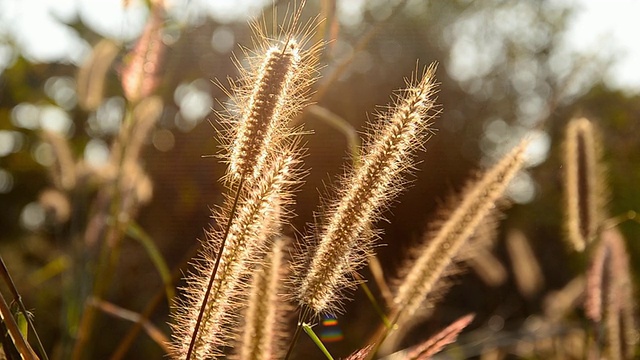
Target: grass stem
point(296, 334)
point(4, 272)
point(307, 329)
point(194, 336)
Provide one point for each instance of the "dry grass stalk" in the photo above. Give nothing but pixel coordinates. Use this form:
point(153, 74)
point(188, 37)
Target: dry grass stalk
point(488, 267)
point(255, 221)
point(261, 336)
point(559, 303)
point(526, 269)
point(609, 295)
point(436, 253)
point(360, 354)
point(343, 243)
point(583, 186)
point(145, 115)
point(437, 342)
point(63, 170)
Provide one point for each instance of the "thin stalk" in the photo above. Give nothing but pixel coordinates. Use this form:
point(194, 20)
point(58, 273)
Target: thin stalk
point(372, 300)
point(296, 334)
point(151, 306)
point(12, 328)
point(136, 232)
point(360, 46)
point(17, 298)
point(307, 328)
point(194, 336)
point(381, 334)
point(109, 252)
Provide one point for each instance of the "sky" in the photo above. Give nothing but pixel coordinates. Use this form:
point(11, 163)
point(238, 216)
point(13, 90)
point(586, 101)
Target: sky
point(614, 26)
point(610, 26)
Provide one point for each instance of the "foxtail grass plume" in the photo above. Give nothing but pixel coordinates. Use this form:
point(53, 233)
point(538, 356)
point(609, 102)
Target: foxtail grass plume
point(609, 295)
point(583, 183)
point(92, 74)
point(140, 74)
point(262, 155)
point(263, 113)
point(257, 219)
point(526, 268)
point(272, 89)
point(261, 336)
point(344, 237)
point(437, 250)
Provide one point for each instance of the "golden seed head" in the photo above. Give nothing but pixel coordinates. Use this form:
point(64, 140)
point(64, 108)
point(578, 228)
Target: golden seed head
point(256, 219)
point(583, 184)
point(263, 119)
point(345, 238)
point(437, 250)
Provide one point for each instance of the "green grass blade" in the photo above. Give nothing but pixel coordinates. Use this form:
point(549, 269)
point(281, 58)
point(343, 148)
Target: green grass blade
point(4, 273)
point(376, 306)
point(137, 233)
point(307, 328)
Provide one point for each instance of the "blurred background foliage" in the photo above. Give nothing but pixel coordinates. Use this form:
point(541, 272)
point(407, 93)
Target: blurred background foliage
point(504, 71)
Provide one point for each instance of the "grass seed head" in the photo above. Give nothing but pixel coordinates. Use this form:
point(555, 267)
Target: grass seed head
point(345, 236)
point(258, 217)
point(435, 253)
point(583, 183)
point(273, 87)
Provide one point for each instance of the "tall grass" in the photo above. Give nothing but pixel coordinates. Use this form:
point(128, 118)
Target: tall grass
point(247, 280)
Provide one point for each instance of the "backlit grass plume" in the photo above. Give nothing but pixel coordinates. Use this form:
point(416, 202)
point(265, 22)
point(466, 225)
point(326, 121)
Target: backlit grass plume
point(437, 250)
point(261, 335)
point(261, 152)
point(345, 236)
point(272, 89)
point(583, 187)
point(609, 299)
point(256, 219)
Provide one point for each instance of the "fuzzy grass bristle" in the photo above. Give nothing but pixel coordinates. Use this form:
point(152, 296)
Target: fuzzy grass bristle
point(609, 301)
point(256, 219)
point(437, 250)
point(140, 76)
point(263, 117)
point(273, 88)
point(345, 237)
point(261, 335)
point(583, 183)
